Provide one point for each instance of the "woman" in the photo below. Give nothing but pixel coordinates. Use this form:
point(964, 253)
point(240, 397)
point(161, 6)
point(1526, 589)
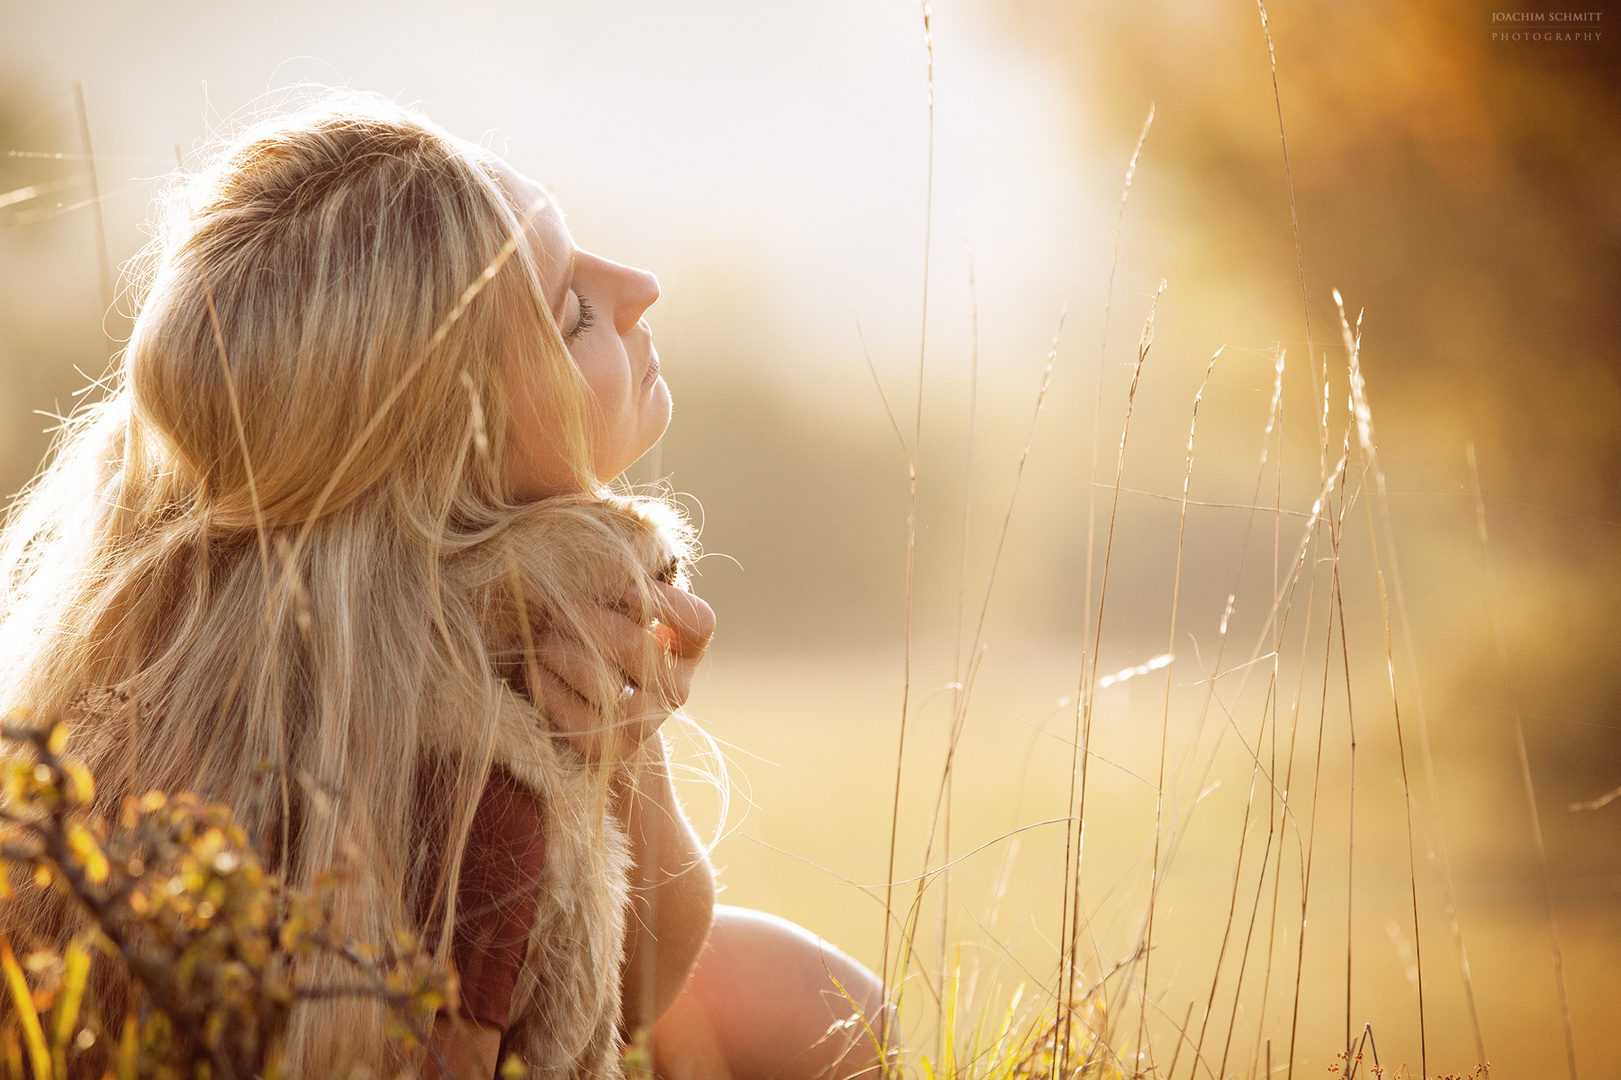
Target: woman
point(337, 550)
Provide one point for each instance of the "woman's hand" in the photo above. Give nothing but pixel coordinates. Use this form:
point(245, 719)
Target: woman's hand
point(658, 662)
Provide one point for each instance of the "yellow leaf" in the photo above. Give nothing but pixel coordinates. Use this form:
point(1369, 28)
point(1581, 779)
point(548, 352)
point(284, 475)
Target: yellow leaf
point(57, 741)
point(42, 876)
point(77, 963)
point(88, 852)
point(128, 1049)
point(38, 1056)
point(14, 1052)
point(81, 786)
point(208, 845)
point(152, 801)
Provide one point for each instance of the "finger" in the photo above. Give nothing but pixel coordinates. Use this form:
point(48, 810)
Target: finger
point(644, 656)
point(656, 664)
point(594, 731)
point(568, 712)
point(581, 669)
point(645, 713)
point(633, 703)
point(638, 651)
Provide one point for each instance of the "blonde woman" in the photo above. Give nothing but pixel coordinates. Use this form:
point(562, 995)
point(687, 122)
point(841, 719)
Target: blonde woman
point(338, 550)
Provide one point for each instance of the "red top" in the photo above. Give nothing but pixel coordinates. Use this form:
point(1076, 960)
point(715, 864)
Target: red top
point(495, 898)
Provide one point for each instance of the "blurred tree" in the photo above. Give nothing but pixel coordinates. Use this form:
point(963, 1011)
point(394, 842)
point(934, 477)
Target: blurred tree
point(1465, 191)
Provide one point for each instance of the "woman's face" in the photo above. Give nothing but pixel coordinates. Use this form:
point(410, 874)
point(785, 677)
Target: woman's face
point(598, 306)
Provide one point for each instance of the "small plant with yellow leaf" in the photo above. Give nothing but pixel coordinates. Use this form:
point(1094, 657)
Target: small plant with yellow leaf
point(210, 944)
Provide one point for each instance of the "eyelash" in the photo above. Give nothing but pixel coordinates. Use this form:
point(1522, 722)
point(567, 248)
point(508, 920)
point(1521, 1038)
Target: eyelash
point(587, 317)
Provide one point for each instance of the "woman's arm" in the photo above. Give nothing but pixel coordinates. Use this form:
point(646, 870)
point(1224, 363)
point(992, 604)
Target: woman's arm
point(671, 907)
point(673, 887)
point(673, 897)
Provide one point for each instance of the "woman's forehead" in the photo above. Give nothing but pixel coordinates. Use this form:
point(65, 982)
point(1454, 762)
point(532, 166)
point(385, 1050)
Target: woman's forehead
point(552, 246)
point(548, 236)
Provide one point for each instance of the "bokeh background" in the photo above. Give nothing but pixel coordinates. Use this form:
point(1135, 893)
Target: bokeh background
point(771, 163)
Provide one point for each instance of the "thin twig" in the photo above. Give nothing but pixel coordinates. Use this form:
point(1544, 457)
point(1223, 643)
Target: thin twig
point(1597, 804)
point(960, 693)
point(1078, 761)
point(103, 270)
point(1335, 531)
point(1165, 717)
point(941, 801)
point(1274, 420)
point(1085, 698)
point(1364, 417)
point(1525, 761)
point(911, 511)
point(1311, 836)
point(1289, 176)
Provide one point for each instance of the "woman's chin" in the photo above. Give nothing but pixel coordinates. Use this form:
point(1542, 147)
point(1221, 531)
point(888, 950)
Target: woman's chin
point(660, 408)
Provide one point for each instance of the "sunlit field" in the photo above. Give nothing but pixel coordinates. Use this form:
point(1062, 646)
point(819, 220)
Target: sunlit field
point(1258, 783)
point(1116, 621)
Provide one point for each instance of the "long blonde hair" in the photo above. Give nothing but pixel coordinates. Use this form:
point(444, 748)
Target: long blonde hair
point(283, 550)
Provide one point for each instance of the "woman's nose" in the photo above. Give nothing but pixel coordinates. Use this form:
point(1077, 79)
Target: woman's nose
point(635, 292)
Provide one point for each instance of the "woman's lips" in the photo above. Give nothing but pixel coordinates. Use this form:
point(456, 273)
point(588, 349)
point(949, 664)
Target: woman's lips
point(652, 369)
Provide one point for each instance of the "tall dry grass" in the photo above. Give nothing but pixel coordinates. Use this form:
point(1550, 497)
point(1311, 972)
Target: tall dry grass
point(1114, 997)
point(1103, 1011)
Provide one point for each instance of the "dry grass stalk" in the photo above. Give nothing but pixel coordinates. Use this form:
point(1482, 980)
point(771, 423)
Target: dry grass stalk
point(1165, 717)
point(103, 267)
point(1364, 418)
point(1070, 913)
point(1525, 762)
point(911, 505)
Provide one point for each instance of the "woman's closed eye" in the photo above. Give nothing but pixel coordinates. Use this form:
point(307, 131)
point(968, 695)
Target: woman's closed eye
point(583, 321)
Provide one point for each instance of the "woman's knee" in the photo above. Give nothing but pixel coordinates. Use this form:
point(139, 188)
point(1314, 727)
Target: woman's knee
point(779, 1001)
